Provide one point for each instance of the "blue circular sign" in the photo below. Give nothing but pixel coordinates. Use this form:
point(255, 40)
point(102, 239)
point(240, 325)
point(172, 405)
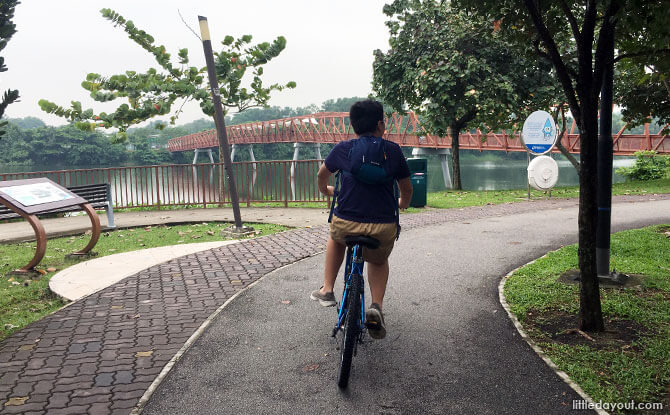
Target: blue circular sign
point(539, 132)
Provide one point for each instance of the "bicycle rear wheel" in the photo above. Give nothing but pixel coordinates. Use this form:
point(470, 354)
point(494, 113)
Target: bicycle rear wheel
point(350, 330)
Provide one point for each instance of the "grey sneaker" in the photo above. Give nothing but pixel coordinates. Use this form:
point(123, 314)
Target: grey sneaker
point(374, 321)
point(326, 300)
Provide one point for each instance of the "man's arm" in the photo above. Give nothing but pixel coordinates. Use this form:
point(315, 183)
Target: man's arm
point(322, 179)
point(405, 187)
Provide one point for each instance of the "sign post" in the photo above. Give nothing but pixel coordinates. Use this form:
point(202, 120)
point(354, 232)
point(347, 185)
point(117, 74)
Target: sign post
point(31, 197)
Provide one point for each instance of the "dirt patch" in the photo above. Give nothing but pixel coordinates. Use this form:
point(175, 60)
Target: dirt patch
point(561, 327)
point(629, 281)
point(665, 230)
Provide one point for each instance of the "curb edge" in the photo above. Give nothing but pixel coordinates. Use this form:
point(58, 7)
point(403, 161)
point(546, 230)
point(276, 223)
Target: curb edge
point(519, 328)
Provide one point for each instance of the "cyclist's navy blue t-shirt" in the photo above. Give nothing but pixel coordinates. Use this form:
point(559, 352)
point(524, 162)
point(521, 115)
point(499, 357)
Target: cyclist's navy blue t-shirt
point(361, 202)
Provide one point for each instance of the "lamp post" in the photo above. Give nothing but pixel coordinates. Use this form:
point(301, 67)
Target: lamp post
point(221, 129)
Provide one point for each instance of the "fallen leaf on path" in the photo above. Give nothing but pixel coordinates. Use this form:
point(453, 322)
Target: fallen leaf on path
point(310, 368)
point(144, 354)
point(286, 302)
point(16, 401)
point(27, 347)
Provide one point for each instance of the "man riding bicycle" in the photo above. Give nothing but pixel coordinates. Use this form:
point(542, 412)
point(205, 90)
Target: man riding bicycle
point(364, 209)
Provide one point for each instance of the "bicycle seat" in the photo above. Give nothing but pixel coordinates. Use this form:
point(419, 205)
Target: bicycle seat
point(362, 240)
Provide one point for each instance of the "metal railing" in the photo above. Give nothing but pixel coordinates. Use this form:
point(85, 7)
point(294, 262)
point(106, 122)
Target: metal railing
point(196, 184)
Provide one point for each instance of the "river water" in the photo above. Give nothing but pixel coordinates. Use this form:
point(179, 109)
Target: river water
point(476, 174)
point(508, 174)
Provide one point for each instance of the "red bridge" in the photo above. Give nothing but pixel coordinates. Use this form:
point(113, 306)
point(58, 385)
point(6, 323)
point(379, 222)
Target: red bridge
point(333, 127)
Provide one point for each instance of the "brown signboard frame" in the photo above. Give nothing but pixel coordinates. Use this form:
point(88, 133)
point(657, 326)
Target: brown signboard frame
point(30, 212)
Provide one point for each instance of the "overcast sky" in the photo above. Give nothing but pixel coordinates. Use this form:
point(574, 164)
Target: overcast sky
point(328, 53)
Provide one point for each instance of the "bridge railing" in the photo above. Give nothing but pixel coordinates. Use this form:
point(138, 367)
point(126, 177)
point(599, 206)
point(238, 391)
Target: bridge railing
point(196, 184)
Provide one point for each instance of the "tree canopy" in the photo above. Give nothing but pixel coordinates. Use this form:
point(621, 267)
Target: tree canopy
point(456, 72)
point(156, 91)
point(7, 30)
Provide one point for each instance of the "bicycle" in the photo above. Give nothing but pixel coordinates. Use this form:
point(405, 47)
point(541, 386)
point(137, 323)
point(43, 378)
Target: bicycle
point(351, 312)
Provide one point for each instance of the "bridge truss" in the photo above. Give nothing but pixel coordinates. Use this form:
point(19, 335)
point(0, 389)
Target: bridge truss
point(405, 130)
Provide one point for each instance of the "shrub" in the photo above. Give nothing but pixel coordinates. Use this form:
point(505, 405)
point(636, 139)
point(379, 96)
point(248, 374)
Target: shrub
point(648, 166)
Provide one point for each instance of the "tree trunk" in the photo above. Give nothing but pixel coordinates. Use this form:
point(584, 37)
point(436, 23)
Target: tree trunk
point(456, 163)
point(590, 313)
point(566, 153)
point(560, 145)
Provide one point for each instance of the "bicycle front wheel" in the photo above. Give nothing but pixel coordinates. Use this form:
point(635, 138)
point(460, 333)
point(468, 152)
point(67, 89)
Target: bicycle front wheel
point(350, 330)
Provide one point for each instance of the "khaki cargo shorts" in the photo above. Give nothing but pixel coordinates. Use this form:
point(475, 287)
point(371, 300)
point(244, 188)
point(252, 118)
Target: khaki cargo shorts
point(384, 232)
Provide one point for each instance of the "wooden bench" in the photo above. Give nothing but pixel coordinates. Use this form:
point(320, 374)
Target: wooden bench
point(98, 195)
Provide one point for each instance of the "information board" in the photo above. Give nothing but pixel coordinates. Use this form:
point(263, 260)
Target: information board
point(39, 195)
point(539, 132)
point(36, 193)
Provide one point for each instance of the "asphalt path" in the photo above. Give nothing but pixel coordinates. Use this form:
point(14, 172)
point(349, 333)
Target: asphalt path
point(450, 347)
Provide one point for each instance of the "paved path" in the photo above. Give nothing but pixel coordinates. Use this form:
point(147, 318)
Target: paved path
point(100, 354)
point(450, 347)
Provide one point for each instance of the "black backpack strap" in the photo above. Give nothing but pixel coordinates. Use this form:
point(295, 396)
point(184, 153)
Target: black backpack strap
point(396, 195)
point(336, 191)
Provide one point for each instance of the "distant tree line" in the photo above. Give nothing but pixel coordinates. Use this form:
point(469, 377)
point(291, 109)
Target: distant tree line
point(29, 141)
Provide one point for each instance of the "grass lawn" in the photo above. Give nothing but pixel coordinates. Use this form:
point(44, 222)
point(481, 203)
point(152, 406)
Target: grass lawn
point(631, 359)
point(24, 300)
point(454, 199)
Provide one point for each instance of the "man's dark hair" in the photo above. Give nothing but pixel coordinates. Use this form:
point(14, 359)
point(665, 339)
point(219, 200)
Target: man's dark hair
point(364, 116)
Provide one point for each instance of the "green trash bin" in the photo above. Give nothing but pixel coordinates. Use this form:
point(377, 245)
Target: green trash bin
point(418, 174)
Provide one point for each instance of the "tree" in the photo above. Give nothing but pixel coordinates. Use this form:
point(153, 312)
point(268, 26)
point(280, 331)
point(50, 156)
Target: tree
point(455, 72)
point(58, 146)
point(7, 30)
point(27, 122)
point(578, 39)
point(340, 104)
point(154, 92)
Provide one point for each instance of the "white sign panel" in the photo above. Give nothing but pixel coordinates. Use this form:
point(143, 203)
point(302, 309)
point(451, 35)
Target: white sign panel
point(35, 194)
point(543, 173)
point(539, 132)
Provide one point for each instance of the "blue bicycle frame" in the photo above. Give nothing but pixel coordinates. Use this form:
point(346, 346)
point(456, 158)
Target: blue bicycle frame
point(354, 266)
